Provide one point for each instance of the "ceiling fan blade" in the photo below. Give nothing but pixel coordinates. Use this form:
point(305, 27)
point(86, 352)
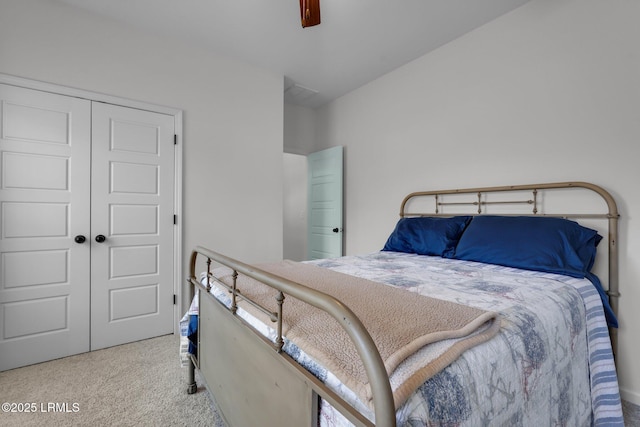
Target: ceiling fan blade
point(309, 12)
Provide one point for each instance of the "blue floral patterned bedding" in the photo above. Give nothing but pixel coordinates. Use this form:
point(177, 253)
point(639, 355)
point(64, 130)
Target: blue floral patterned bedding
point(551, 363)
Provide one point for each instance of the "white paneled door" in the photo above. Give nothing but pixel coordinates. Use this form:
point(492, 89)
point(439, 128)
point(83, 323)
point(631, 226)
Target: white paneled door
point(132, 201)
point(73, 170)
point(45, 156)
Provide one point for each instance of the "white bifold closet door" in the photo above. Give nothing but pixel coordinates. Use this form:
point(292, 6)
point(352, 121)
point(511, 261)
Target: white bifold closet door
point(132, 199)
point(86, 225)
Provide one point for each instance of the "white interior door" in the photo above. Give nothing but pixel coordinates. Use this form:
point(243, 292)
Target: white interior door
point(132, 200)
point(325, 203)
point(44, 189)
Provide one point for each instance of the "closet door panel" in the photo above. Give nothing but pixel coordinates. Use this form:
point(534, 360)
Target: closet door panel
point(132, 207)
point(45, 156)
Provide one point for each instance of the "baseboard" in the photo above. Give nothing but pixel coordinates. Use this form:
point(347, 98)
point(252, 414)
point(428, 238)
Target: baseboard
point(630, 396)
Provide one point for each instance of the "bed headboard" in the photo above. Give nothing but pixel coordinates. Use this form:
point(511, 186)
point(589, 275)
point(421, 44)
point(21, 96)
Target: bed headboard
point(573, 200)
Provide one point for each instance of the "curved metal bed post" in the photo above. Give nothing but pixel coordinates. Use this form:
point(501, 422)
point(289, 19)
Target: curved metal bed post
point(612, 215)
point(384, 407)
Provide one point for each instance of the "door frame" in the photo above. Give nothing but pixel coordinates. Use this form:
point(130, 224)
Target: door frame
point(177, 117)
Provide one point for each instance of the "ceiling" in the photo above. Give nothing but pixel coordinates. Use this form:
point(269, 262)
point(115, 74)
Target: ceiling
point(357, 41)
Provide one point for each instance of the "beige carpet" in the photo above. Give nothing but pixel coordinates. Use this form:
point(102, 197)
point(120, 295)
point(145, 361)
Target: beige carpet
point(631, 414)
point(137, 384)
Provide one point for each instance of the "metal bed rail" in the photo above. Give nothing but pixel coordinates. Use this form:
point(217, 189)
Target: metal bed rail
point(384, 407)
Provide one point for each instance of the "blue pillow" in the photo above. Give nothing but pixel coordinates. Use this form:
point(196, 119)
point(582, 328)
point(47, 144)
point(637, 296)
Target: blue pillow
point(552, 245)
point(436, 236)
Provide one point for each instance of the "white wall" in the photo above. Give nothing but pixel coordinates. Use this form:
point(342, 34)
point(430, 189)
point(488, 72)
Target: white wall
point(232, 166)
point(549, 92)
point(295, 207)
point(299, 129)
point(299, 141)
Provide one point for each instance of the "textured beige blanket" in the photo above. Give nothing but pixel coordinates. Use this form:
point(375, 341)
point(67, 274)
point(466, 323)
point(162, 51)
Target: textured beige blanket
point(400, 323)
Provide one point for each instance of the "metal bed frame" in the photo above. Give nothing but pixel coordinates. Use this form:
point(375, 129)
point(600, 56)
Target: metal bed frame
point(255, 383)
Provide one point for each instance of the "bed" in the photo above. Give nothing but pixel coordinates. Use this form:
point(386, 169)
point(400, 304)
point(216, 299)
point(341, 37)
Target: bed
point(507, 320)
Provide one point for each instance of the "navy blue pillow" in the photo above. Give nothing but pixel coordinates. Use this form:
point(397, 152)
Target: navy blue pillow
point(552, 245)
point(436, 236)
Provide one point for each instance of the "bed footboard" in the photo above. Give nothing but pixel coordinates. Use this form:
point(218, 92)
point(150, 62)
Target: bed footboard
point(243, 370)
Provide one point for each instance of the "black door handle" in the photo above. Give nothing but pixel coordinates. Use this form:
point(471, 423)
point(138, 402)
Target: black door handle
point(335, 230)
point(100, 238)
point(80, 238)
